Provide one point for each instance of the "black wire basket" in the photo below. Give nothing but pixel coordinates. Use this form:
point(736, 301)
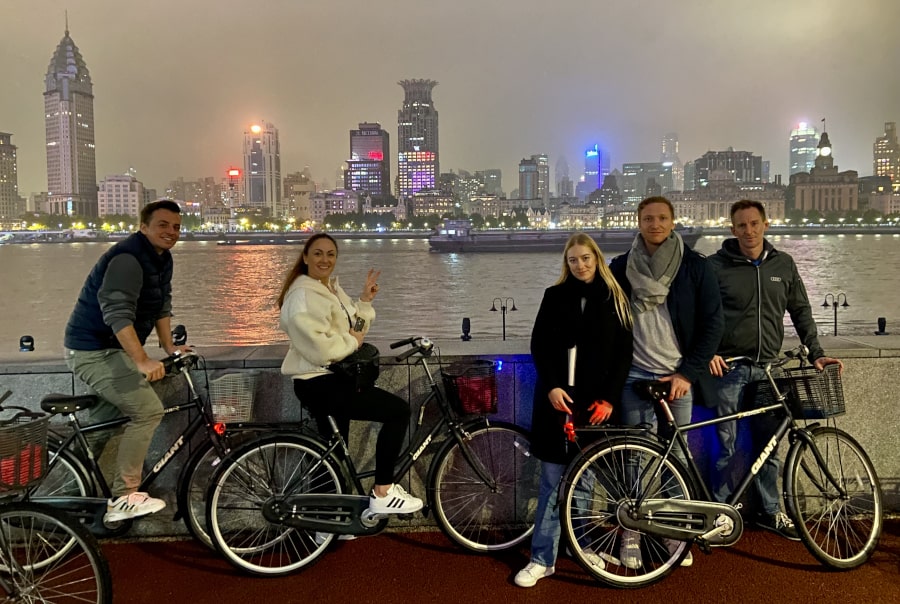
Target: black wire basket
point(23, 449)
point(471, 387)
point(811, 394)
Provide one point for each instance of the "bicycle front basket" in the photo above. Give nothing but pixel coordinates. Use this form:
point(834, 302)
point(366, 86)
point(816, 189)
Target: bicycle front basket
point(471, 387)
point(231, 396)
point(813, 394)
point(23, 450)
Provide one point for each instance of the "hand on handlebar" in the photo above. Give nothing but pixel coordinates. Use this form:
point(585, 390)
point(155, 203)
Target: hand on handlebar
point(821, 362)
point(718, 367)
point(152, 370)
point(600, 412)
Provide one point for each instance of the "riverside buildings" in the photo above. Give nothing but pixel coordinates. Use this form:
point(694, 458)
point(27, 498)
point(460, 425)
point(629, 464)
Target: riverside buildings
point(823, 188)
point(886, 155)
point(369, 167)
point(120, 194)
point(804, 139)
point(418, 156)
point(69, 121)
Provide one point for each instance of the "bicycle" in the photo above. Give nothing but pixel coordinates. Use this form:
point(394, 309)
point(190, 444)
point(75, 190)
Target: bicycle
point(630, 479)
point(75, 483)
point(276, 503)
point(45, 555)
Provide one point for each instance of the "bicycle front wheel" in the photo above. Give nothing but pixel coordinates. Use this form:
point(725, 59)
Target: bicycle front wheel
point(246, 479)
point(607, 475)
point(486, 516)
point(46, 556)
point(840, 530)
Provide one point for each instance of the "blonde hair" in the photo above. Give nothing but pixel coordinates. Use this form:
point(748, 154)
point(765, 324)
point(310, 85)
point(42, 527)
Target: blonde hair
point(623, 306)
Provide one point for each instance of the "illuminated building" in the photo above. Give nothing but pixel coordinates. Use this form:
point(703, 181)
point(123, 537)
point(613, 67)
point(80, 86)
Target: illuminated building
point(804, 139)
point(528, 179)
point(886, 153)
point(369, 167)
point(262, 170)
point(823, 188)
point(743, 166)
point(593, 161)
point(564, 185)
point(9, 180)
point(120, 194)
point(491, 181)
point(669, 154)
point(418, 164)
point(633, 183)
point(69, 126)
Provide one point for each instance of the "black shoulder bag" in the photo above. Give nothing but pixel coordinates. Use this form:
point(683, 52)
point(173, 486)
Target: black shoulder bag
point(359, 368)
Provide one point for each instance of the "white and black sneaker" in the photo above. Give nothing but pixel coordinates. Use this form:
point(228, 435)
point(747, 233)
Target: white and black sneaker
point(397, 501)
point(131, 506)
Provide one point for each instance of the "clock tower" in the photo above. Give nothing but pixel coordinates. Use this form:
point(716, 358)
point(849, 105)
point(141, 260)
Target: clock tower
point(824, 159)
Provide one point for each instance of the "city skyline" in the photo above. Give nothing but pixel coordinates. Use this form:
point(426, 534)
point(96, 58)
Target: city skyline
point(176, 101)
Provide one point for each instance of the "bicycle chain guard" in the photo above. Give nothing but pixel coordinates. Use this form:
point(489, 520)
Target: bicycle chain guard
point(706, 522)
point(329, 513)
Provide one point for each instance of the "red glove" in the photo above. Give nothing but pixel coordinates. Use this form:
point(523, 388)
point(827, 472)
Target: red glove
point(600, 412)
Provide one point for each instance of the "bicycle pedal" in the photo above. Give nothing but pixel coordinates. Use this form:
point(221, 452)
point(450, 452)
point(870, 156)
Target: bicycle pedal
point(704, 546)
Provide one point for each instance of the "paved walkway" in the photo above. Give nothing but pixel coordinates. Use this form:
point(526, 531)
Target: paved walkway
point(425, 567)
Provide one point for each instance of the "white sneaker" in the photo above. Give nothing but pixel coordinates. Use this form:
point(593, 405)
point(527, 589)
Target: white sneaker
point(533, 573)
point(672, 546)
point(595, 560)
point(630, 550)
point(397, 501)
point(131, 506)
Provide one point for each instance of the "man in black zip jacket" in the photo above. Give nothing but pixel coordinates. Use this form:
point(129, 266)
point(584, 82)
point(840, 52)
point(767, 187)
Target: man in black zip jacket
point(127, 295)
point(758, 284)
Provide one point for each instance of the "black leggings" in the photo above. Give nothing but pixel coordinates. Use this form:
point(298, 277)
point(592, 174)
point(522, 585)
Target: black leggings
point(328, 395)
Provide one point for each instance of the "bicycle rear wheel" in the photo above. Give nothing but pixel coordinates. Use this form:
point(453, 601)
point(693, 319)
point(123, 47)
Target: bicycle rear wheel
point(66, 477)
point(606, 475)
point(248, 477)
point(46, 556)
point(479, 516)
point(840, 531)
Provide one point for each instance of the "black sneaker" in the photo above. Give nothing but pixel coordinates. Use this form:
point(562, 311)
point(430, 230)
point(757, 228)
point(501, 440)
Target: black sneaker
point(778, 523)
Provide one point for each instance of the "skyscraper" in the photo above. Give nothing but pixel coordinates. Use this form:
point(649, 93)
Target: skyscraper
point(564, 185)
point(369, 167)
point(262, 169)
point(9, 179)
point(886, 155)
point(804, 139)
point(543, 176)
point(528, 178)
point(69, 121)
point(592, 165)
point(418, 164)
point(669, 155)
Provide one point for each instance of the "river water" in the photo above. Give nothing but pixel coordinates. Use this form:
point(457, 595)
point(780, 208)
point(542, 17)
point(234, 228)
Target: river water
point(225, 294)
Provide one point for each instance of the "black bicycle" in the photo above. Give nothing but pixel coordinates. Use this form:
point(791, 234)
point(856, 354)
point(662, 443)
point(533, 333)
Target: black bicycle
point(276, 503)
point(630, 480)
point(75, 483)
point(45, 555)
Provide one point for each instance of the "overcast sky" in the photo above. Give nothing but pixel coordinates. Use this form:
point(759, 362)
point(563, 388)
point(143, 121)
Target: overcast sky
point(176, 82)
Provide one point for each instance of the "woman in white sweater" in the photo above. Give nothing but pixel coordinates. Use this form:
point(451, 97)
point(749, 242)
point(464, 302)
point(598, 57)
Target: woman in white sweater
point(318, 317)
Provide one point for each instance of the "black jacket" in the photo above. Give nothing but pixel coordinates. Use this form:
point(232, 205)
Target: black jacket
point(603, 359)
point(90, 324)
point(755, 297)
point(695, 306)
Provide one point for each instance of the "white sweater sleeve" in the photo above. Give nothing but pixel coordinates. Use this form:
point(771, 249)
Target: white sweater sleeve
point(316, 326)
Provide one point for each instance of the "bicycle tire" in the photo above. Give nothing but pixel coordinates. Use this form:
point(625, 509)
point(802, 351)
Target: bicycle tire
point(193, 486)
point(840, 533)
point(249, 476)
point(66, 477)
point(595, 484)
point(53, 557)
point(469, 511)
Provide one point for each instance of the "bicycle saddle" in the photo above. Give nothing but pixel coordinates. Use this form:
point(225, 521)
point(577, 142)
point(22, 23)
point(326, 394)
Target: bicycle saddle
point(652, 390)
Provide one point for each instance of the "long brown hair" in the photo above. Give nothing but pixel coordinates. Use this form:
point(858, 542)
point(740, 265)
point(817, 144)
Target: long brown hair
point(623, 306)
point(301, 267)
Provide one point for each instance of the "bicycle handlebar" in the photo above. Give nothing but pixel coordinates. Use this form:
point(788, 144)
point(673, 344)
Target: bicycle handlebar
point(408, 340)
point(800, 353)
point(418, 345)
point(180, 361)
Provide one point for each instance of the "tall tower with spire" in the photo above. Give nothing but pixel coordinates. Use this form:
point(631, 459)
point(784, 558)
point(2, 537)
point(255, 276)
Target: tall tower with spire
point(418, 165)
point(69, 115)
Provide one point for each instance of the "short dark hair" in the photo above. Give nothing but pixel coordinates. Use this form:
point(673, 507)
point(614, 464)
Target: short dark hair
point(160, 204)
point(655, 199)
point(746, 204)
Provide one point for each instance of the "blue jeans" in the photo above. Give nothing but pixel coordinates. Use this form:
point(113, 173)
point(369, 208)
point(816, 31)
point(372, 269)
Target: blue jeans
point(637, 411)
point(545, 539)
point(730, 394)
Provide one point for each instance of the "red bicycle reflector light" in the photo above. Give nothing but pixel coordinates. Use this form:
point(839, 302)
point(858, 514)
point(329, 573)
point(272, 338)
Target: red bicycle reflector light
point(219, 428)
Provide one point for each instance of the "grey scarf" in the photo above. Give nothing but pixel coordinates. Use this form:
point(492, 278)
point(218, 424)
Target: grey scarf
point(651, 276)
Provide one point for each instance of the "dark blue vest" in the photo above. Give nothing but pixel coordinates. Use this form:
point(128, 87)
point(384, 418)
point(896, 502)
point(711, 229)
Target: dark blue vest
point(86, 329)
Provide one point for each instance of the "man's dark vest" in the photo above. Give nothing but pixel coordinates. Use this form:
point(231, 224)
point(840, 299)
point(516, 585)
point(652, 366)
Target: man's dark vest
point(86, 329)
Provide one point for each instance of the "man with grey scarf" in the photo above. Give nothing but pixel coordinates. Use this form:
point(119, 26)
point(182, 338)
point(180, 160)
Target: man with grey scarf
point(678, 323)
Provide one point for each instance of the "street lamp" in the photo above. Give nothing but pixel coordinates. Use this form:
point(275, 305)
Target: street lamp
point(835, 300)
point(504, 302)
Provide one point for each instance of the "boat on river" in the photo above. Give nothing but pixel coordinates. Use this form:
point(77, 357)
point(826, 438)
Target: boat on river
point(457, 236)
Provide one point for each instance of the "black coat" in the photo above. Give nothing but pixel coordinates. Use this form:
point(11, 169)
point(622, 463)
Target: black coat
point(603, 359)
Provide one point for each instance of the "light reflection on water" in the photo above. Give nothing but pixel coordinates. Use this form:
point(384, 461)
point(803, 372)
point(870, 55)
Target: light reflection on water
point(225, 294)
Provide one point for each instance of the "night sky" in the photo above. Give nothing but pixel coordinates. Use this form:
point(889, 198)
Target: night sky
point(177, 82)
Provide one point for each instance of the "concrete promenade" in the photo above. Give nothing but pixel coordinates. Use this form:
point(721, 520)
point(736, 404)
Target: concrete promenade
point(872, 413)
